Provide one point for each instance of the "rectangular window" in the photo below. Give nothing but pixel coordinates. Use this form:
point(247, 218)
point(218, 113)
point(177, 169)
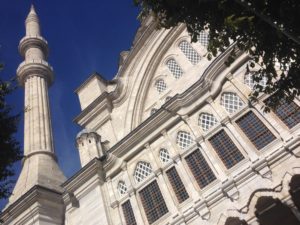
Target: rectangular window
point(255, 130)
point(200, 168)
point(226, 149)
point(153, 202)
point(289, 113)
point(128, 213)
point(177, 185)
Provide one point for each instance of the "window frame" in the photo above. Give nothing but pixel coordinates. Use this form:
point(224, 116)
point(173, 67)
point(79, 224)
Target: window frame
point(237, 144)
point(162, 217)
point(170, 184)
point(267, 124)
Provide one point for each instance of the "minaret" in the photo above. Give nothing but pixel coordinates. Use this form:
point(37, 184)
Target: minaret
point(40, 168)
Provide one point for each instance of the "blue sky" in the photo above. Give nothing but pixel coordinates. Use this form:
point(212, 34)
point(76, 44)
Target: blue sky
point(84, 37)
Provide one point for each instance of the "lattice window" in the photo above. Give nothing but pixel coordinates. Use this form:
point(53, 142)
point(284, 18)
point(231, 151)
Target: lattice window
point(174, 68)
point(189, 52)
point(160, 85)
point(288, 112)
point(184, 139)
point(154, 110)
point(226, 149)
point(248, 80)
point(177, 185)
point(231, 102)
point(122, 188)
point(142, 170)
point(206, 121)
point(203, 38)
point(200, 168)
point(153, 202)
point(128, 213)
point(255, 130)
point(164, 155)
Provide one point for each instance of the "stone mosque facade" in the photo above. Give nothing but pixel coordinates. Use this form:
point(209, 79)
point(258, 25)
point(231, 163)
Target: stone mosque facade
point(171, 139)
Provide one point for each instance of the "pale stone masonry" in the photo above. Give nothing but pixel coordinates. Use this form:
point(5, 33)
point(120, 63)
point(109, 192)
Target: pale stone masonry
point(171, 139)
point(38, 188)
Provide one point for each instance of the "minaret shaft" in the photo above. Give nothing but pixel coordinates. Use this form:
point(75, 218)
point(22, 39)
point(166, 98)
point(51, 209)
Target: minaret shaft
point(38, 131)
point(36, 75)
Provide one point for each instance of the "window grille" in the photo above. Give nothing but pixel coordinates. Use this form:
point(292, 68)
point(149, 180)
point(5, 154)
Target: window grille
point(189, 52)
point(200, 168)
point(153, 202)
point(248, 80)
point(154, 110)
point(288, 113)
point(255, 130)
point(174, 68)
point(142, 170)
point(203, 38)
point(231, 102)
point(160, 85)
point(206, 121)
point(122, 188)
point(184, 139)
point(177, 185)
point(128, 213)
point(226, 149)
point(164, 155)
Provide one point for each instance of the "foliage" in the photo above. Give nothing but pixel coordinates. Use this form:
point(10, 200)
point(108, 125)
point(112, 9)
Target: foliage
point(266, 29)
point(9, 146)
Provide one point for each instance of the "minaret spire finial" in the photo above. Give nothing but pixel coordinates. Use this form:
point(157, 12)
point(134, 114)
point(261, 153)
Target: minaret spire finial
point(32, 23)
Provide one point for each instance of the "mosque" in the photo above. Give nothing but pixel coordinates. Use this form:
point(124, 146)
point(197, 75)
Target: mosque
point(170, 140)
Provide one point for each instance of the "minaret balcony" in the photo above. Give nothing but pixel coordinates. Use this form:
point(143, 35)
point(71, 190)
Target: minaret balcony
point(35, 67)
point(33, 42)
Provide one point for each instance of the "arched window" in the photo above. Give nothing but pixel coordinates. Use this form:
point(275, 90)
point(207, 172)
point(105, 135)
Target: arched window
point(160, 85)
point(231, 102)
point(174, 68)
point(184, 139)
point(270, 211)
point(235, 221)
point(206, 121)
point(203, 38)
point(189, 52)
point(164, 155)
point(142, 170)
point(248, 80)
point(122, 188)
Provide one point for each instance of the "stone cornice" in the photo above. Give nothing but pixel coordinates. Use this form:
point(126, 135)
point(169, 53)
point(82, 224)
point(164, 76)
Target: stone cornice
point(31, 68)
point(83, 175)
point(98, 77)
point(100, 104)
point(36, 194)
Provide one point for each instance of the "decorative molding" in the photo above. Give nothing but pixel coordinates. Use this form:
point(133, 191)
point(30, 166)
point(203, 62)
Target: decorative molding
point(230, 190)
point(262, 168)
point(202, 209)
